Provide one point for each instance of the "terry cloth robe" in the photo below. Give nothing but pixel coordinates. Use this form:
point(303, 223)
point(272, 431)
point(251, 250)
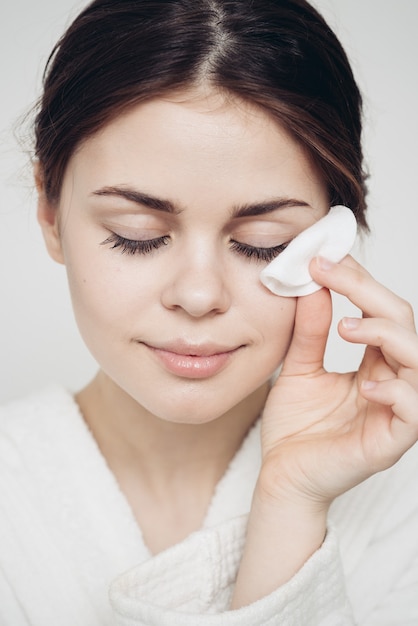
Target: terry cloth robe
point(72, 554)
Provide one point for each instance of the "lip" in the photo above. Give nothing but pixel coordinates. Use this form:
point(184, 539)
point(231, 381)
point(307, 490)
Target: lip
point(192, 360)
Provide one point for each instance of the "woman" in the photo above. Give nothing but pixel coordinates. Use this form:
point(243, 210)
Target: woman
point(179, 148)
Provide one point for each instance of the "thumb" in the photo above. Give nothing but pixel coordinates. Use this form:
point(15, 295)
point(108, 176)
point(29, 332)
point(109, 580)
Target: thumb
point(310, 333)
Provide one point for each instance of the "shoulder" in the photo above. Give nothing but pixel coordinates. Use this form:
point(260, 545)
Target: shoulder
point(379, 514)
point(388, 494)
point(30, 422)
point(17, 415)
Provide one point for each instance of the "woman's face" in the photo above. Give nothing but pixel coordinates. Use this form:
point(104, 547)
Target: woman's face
point(166, 219)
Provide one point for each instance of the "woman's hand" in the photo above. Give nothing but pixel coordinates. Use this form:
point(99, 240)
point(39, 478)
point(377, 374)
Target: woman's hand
point(324, 432)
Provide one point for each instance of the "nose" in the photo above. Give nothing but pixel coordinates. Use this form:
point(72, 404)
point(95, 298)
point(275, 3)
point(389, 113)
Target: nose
point(196, 283)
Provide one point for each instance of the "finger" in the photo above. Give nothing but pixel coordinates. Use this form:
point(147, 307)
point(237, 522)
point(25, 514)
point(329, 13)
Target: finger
point(312, 322)
point(398, 345)
point(403, 402)
point(350, 279)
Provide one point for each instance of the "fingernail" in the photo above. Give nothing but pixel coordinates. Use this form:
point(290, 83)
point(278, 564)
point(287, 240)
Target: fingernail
point(324, 264)
point(351, 322)
point(368, 384)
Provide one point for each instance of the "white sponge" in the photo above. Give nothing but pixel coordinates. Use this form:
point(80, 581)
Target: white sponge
point(331, 237)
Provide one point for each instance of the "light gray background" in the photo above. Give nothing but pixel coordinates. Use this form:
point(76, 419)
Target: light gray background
point(39, 342)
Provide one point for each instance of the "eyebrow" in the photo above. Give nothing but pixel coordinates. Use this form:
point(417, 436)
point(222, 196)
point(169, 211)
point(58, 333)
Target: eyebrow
point(166, 206)
point(261, 208)
point(138, 197)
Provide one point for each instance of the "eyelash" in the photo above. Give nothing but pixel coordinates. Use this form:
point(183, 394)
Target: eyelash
point(258, 254)
point(132, 246)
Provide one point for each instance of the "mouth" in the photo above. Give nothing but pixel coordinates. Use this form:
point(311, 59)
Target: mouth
point(188, 360)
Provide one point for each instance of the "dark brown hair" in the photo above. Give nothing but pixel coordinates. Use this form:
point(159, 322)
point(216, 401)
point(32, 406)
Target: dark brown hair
point(277, 54)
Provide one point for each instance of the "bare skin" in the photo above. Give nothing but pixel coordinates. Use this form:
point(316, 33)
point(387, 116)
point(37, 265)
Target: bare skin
point(167, 472)
point(188, 339)
point(342, 428)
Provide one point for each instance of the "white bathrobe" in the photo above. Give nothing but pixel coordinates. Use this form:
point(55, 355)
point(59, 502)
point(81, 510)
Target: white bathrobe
point(71, 552)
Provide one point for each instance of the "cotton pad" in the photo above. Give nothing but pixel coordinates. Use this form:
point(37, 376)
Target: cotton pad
point(331, 237)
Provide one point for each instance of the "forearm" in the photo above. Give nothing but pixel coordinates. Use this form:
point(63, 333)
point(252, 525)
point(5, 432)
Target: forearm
point(281, 536)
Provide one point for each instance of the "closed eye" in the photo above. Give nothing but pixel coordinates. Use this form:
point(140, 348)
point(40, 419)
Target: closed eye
point(145, 246)
point(134, 246)
point(256, 253)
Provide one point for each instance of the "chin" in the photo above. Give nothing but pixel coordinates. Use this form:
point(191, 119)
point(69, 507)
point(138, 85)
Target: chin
point(191, 413)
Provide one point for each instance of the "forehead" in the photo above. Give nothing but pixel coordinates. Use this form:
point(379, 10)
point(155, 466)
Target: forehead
point(200, 139)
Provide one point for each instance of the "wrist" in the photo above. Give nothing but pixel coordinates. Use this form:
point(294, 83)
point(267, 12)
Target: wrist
point(282, 534)
point(277, 489)
point(300, 518)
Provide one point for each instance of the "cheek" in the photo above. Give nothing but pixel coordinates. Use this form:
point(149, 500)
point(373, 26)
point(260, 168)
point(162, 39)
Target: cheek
point(108, 294)
point(105, 301)
point(279, 321)
point(272, 317)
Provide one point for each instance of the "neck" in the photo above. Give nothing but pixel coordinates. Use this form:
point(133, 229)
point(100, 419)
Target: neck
point(133, 440)
point(167, 471)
